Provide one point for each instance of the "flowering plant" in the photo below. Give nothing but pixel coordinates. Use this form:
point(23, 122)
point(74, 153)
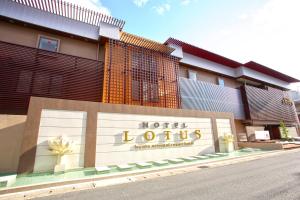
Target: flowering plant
point(60, 145)
point(228, 138)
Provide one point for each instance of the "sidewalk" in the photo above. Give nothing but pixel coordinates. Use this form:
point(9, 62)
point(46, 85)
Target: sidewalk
point(33, 191)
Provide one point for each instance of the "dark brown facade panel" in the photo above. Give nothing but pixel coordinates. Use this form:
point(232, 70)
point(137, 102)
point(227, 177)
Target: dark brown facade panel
point(268, 105)
point(26, 72)
point(138, 76)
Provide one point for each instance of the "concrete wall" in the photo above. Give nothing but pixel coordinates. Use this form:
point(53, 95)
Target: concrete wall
point(208, 65)
point(297, 105)
point(18, 34)
point(251, 131)
point(206, 76)
point(224, 128)
point(292, 131)
point(41, 15)
point(111, 149)
point(202, 63)
point(261, 145)
point(241, 132)
point(244, 71)
point(56, 123)
point(94, 130)
point(11, 136)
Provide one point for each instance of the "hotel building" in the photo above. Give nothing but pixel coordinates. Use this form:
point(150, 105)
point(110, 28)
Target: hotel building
point(67, 70)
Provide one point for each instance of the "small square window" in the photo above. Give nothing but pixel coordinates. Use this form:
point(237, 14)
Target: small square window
point(192, 75)
point(48, 44)
point(221, 82)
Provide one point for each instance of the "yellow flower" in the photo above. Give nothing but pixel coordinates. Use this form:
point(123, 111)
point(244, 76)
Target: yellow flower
point(60, 146)
point(228, 138)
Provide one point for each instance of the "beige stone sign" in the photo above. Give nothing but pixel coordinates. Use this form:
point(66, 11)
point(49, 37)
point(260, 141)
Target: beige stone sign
point(126, 138)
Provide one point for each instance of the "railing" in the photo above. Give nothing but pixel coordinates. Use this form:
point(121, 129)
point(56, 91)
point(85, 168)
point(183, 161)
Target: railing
point(72, 11)
point(26, 72)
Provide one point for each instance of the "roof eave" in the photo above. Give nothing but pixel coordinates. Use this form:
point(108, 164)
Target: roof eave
point(228, 62)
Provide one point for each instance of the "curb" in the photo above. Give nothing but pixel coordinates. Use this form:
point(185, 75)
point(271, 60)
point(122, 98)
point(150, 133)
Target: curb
point(93, 184)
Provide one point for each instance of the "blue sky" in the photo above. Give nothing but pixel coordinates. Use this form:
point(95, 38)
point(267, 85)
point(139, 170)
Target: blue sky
point(198, 16)
point(265, 31)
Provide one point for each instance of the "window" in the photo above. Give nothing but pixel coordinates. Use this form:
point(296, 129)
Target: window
point(49, 44)
point(221, 82)
point(192, 75)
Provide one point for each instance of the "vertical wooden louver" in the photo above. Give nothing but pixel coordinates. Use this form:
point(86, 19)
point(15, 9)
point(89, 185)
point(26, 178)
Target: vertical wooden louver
point(139, 76)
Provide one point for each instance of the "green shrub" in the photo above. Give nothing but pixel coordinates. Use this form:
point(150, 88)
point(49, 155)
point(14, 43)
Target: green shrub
point(284, 131)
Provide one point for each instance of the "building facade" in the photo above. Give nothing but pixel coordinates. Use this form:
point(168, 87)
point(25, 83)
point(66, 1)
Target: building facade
point(68, 70)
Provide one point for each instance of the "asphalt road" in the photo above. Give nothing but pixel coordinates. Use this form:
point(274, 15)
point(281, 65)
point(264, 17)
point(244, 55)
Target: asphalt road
point(270, 178)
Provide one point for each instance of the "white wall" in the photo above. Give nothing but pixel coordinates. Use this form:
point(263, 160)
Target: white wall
point(111, 149)
point(208, 65)
point(228, 71)
point(54, 123)
point(177, 50)
point(109, 31)
point(292, 131)
point(224, 128)
point(243, 71)
point(251, 131)
point(41, 18)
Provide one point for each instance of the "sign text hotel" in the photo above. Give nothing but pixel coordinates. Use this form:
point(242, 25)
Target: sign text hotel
point(151, 132)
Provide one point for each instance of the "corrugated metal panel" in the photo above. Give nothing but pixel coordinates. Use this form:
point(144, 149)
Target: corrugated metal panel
point(26, 72)
point(267, 105)
point(205, 96)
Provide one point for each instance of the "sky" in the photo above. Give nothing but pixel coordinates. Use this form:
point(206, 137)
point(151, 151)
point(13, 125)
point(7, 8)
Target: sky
point(264, 31)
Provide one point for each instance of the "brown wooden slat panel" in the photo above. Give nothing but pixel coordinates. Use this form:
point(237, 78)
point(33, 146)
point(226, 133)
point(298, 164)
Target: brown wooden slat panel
point(26, 71)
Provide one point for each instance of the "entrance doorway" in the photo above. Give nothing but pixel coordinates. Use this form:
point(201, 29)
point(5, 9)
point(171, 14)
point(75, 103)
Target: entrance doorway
point(274, 131)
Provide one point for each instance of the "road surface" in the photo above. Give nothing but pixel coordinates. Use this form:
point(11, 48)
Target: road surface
point(273, 178)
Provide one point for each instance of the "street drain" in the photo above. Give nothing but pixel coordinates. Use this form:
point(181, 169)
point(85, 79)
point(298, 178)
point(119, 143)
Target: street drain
point(203, 167)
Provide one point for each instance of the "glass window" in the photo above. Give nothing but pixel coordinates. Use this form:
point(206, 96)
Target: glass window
point(192, 75)
point(48, 44)
point(221, 82)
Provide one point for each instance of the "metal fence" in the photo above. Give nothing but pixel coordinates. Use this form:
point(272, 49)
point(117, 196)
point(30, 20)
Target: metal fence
point(72, 11)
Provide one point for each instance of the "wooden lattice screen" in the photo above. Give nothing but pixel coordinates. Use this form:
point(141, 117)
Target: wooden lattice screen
point(139, 76)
